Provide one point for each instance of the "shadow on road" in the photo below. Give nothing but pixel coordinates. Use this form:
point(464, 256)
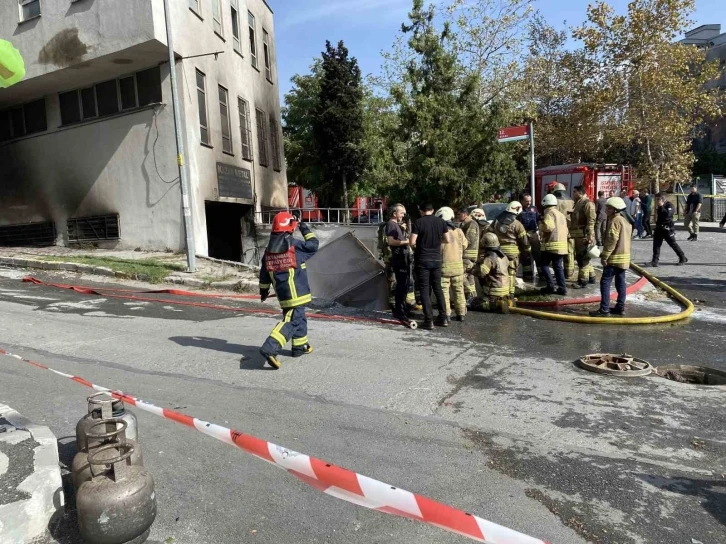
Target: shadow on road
point(250, 360)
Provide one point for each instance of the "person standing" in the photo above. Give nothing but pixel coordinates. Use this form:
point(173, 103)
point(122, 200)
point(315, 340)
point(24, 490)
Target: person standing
point(427, 234)
point(400, 259)
point(615, 258)
point(529, 219)
point(665, 230)
point(553, 235)
point(513, 239)
point(565, 206)
point(693, 213)
point(283, 267)
point(452, 269)
point(602, 218)
point(583, 233)
point(470, 228)
point(647, 203)
point(636, 212)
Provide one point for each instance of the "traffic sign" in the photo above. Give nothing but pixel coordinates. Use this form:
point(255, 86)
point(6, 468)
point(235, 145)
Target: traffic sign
point(512, 134)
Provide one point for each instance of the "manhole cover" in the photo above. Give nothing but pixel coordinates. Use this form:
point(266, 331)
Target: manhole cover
point(615, 365)
point(695, 375)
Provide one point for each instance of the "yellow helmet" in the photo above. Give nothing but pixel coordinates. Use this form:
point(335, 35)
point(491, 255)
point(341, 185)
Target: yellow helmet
point(445, 213)
point(514, 207)
point(490, 240)
point(617, 203)
point(549, 200)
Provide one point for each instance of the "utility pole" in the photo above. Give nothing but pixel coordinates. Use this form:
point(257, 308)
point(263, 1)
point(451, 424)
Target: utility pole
point(531, 156)
point(186, 197)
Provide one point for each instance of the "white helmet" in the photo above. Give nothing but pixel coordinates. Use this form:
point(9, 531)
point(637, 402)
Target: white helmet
point(445, 213)
point(617, 203)
point(514, 207)
point(478, 213)
point(593, 252)
point(549, 200)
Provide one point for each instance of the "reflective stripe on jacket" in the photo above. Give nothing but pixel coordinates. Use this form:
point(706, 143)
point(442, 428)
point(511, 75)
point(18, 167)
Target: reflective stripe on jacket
point(553, 231)
point(470, 228)
point(453, 254)
point(616, 246)
point(513, 240)
point(291, 286)
point(583, 219)
point(494, 272)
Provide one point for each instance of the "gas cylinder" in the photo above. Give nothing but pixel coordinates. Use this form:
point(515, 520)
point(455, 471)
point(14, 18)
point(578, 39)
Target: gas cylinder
point(101, 433)
point(103, 406)
point(118, 504)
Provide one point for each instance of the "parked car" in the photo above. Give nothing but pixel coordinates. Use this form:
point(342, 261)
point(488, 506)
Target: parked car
point(492, 210)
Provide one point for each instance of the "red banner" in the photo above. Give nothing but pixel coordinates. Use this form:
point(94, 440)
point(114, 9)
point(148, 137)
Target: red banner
point(511, 134)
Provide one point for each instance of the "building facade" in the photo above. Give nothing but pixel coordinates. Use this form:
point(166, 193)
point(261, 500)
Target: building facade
point(88, 135)
point(710, 38)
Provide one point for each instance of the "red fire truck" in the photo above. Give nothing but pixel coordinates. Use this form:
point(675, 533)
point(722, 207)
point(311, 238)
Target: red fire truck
point(610, 178)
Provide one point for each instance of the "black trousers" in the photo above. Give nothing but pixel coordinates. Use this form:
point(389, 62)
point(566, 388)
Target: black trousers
point(646, 224)
point(669, 236)
point(402, 271)
point(429, 277)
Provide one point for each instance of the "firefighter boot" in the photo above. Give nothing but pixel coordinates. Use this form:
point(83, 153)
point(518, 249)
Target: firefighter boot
point(305, 349)
point(272, 360)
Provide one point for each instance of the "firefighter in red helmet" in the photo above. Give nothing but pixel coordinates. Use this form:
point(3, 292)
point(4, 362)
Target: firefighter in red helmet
point(283, 267)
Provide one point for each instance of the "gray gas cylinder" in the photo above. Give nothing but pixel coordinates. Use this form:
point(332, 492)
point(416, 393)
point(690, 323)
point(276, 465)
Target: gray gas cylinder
point(103, 406)
point(118, 505)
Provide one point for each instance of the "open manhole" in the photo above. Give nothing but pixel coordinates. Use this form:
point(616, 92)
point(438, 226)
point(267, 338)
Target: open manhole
point(615, 365)
point(695, 375)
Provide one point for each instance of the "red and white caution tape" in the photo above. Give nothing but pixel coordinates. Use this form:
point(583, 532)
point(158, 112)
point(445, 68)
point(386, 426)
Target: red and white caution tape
point(330, 479)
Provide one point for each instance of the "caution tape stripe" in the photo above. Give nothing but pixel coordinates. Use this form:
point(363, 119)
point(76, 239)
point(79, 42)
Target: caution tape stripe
point(332, 480)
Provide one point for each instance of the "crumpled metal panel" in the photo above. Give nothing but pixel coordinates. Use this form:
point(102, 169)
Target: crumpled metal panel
point(345, 271)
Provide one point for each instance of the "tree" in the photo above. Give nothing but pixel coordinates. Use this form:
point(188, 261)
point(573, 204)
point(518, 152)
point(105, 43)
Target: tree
point(648, 90)
point(338, 123)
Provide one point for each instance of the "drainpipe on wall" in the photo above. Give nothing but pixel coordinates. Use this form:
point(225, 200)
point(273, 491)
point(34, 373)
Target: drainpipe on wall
point(186, 196)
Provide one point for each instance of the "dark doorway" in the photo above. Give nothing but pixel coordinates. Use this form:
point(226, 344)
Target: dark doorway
point(224, 229)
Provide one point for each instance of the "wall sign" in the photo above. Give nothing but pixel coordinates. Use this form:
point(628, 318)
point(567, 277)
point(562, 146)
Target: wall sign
point(233, 181)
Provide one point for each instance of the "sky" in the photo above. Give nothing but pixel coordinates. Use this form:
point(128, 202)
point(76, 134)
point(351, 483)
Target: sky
point(370, 26)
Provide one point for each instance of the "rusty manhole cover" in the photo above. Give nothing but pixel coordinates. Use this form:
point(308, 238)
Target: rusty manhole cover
point(615, 365)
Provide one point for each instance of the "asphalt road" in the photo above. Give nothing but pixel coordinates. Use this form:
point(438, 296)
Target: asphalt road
point(489, 416)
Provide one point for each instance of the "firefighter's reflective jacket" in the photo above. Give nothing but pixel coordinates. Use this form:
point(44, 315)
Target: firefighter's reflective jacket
point(287, 272)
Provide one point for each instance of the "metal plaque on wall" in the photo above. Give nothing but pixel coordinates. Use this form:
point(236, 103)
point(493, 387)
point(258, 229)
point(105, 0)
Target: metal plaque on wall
point(233, 181)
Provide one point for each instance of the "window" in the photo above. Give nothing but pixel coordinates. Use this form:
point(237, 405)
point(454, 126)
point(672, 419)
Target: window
point(217, 16)
point(275, 144)
point(261, 136)
point(29, 9)
point(111, 97)
point(235, 26)
point(253, 41)
point(202, 99)
point(23, 120)
point(245, 128)
point(266, 52)
point(194, 5)
point(226, 122)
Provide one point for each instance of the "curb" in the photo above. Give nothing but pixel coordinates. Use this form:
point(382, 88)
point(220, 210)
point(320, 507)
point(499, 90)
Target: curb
point(39, 496)
point(237, 285)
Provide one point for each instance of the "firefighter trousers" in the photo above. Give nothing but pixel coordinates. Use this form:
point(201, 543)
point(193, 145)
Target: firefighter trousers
point(453, 288)
point(513, 267)
point(531, 260)
point(469, 279)
point(489, 304)
point(569, 260)
point(294, 325)
point(586, 272)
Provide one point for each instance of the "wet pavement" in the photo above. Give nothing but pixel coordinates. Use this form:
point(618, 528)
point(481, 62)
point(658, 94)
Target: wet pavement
point(490, 415)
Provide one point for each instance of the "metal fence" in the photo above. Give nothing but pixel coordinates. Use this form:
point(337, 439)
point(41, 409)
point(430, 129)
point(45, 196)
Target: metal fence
point(713, 208)
point(342, 216)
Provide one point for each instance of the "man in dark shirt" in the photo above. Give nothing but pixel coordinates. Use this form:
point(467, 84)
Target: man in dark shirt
point(665, 230)
point(530, 218)
point(601, 220)
point(400, 259)
point(427, 234)
point(693, 213)
point(646, 202)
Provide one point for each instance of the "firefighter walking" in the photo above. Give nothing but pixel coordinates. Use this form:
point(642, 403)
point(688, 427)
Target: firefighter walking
point(492, 268)
point(452, 268)
point(470, 228)
point(582, 232)
point(565, 205)
point(513, 239)
point(283, 267)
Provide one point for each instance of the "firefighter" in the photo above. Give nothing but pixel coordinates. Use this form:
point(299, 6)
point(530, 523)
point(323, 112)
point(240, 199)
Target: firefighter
point(529, 219)
point(384, 254)
point(452, 268)
point(565, 206)
point(582, 231)
point(470, 228)
point(513, 239)
point(492, 268)
point(615, 258)
point(283, 267)
point(553, 237)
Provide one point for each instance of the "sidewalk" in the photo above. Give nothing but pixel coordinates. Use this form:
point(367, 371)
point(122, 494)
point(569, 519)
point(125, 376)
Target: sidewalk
point(31, 490)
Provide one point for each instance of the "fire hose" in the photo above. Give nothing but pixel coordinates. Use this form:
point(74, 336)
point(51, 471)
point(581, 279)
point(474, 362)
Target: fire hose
point(688, 309)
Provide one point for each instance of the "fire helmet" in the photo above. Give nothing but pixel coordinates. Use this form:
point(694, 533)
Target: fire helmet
point(445, 213)
point(617, 203)
point(559, 187)
point(490, 240)
point(284, 222)
point(514, 207)
point(478, 213)
point(549, 200)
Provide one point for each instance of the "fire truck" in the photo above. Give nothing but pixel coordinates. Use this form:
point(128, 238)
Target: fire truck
point(610, 178)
